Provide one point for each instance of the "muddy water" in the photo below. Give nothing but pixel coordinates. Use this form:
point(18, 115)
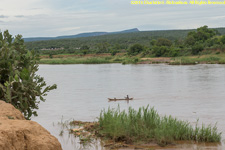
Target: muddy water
point(186, 92)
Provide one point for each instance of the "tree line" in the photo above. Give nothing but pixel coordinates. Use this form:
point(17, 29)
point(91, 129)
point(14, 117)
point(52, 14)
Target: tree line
point(147, 43)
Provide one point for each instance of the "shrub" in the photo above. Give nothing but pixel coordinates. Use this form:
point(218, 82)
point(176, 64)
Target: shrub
point(159, 51)
point(163, 42)
point(197, 48)
point(19, 83)
point(135, 49)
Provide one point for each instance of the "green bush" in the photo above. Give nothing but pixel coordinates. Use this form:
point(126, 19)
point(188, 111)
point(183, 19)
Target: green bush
point(19, 83)
point(163, 42)
point(135, 49)
point(197, 48)
point(159, 51)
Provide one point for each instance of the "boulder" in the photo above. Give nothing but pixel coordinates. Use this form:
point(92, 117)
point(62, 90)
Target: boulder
point(16, 133)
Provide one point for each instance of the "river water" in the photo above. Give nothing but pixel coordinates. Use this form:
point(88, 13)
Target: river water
point(186, 92)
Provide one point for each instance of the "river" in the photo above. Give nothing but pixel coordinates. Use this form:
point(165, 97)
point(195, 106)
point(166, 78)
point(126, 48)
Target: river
point(186, 92)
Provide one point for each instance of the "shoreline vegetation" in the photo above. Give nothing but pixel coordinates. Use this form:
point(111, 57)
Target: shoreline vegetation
point(144, 127)
point(106, 58)
point(200, 46)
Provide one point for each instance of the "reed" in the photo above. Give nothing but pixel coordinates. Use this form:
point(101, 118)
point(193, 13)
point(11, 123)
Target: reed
point(147, 125)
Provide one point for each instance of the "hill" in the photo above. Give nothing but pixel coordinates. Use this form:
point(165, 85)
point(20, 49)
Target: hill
point(78, 35)
point(121, 39)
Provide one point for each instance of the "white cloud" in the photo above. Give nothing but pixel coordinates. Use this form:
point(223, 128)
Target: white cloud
point(66, 17)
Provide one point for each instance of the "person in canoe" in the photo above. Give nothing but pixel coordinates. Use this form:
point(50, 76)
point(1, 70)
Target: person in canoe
point(127, 97)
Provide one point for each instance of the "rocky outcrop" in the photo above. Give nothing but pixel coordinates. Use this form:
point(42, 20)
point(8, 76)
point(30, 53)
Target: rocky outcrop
point(16, 133)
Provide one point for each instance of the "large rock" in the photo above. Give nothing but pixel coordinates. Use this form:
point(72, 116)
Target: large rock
point(16, 133)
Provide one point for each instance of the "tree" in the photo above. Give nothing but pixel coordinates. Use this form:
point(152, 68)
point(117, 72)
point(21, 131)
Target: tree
point(135, 49)
point(84, 49)
point(190, 40)
point(223, 39)
point(159, 51)
point(102, 47)
point(163, 42)
point(197, 48)
point(19, 83)
point(202, 34)
point(153, 42)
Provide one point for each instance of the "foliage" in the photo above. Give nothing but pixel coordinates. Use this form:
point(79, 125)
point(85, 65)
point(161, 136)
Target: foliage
point(201, 35)
point(19, 83)
point(113, 52)
point(159, 51)
point(146, 124)
point(170, 43)
point(77, 60)
point(135, 49)
point(123, 41)
point(223, 39)
point(163, 42)
point(102, 47)
point(197, 48)
point(208, 59)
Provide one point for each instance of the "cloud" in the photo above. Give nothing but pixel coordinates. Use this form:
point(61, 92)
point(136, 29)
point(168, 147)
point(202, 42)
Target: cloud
point(3, 16)
point(19, 16)
point(60, 17)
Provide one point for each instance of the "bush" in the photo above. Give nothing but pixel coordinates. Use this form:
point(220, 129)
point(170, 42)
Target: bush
point(135, 49)
point(163, 42)
point(223, 39)
point(197, 48)
point(19, 83)
point(159, 51)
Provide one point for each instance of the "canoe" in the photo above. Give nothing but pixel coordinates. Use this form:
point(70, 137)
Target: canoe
point(115, 99)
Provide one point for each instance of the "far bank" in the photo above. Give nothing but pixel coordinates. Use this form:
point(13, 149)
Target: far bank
point(214, 58)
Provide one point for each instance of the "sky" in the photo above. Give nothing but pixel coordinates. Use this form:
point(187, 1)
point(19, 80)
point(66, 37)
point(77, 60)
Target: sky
point(50, 18)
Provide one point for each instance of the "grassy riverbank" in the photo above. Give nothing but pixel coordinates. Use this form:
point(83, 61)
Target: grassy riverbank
point(89, 60)
point(124, 59)
point(204, 59)
point(145, 126)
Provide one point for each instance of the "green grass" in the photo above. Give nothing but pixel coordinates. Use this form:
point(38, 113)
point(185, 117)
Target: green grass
point(147, 125)
point(185, 60)
point(75, 60)
point(192, 60)
point(90, 60)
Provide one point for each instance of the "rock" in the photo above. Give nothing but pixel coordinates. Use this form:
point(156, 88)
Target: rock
point(8, 111)
point(16, 133)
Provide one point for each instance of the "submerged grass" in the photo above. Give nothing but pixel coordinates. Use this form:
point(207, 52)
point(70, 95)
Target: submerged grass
point(146, 125)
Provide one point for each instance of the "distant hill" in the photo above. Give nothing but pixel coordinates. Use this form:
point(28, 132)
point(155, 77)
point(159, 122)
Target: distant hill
point(78, 35)
point(124, 39)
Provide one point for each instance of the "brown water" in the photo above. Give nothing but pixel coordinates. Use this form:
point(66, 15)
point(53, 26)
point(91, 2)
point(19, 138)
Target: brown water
point(186, 92)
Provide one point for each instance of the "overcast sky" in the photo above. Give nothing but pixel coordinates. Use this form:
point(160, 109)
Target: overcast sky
point(44, 18)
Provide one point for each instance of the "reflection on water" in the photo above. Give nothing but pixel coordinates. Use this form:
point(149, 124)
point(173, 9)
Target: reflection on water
point(186, 92)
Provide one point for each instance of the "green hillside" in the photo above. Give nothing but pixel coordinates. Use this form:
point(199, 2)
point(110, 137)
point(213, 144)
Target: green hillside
point(151, 43)
point(91, 34)
point(124, 39)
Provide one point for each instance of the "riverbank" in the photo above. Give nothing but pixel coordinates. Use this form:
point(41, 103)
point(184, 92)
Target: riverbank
point(89, 59)
point(124, 59)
